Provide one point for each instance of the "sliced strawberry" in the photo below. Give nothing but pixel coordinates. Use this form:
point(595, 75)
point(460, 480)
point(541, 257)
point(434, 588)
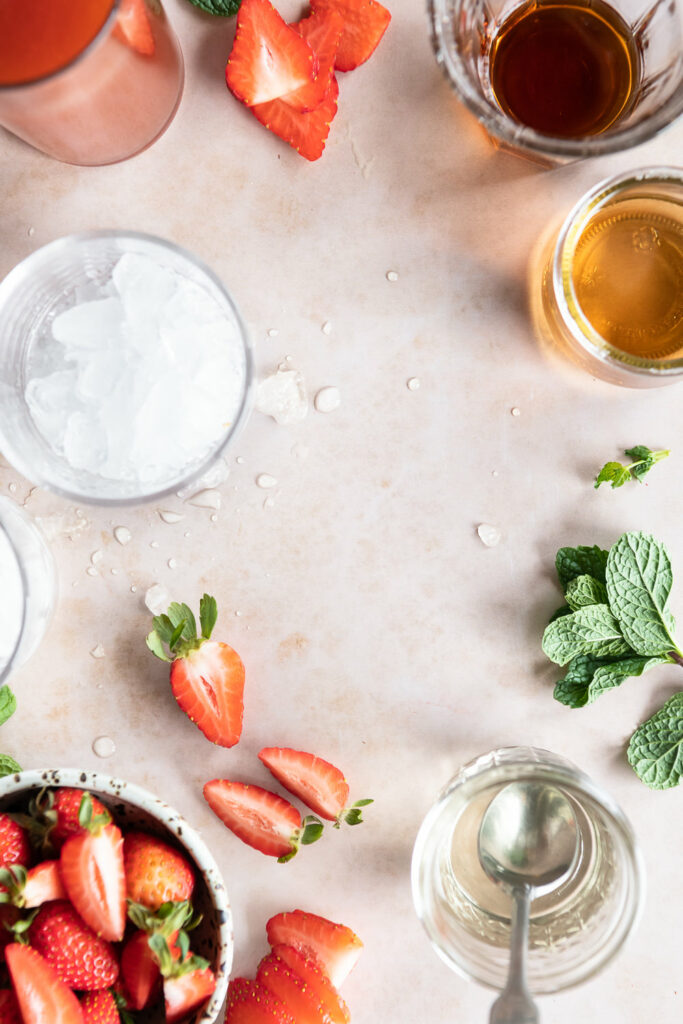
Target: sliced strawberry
point(100, 1008)
point(9, 1007)
point(140, 964)
point(306, 133)
point(43, 884)
point(316, 981)
point(261, 818)
point(320, 785)
point(334, 946)
point(183, 993)
point(249, 1002)
point(94, 878)
point(42, 995)
point(322, 31)
point(140, 972)
point(365, 22)
point(301, 997)
point(268, 58)
point(208, 684)
point(134, 28)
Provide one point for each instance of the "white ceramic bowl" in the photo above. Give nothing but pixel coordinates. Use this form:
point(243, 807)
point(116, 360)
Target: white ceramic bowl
point(133, 807)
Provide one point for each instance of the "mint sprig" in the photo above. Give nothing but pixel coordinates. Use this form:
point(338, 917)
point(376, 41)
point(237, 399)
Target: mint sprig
point(617, 624)
point(8, 705)
point(643, 459)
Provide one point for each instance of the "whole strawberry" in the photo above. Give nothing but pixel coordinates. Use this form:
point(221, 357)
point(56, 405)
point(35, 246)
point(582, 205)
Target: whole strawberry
point(207, 677)
point(100, 1008)
point(14, 844)
point(156, 873)
point(53, 816)
point(81, 959)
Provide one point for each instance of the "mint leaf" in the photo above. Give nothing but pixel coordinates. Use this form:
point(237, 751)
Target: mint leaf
point(644, 459)
point(8, 703)
point(8, 766)
point(223, 7)
point(613, 473)
point(178, 613)
point(585, 590)
point(656, 749)
point(564, 610)
point(573, 562)
point(208, 613)
point(639, 580)
point(592, 630)
point(588, 677)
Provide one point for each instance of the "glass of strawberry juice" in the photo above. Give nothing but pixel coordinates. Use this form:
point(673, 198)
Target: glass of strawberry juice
point(88, 81)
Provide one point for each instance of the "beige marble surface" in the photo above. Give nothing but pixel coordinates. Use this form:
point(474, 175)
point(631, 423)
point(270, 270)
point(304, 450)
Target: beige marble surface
point(376, 628)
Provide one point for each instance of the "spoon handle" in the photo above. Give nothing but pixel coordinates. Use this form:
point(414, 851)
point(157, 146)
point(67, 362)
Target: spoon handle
point(514, 1005)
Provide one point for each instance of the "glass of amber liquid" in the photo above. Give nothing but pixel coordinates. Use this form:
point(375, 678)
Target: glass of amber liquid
point(559, 80)
point(88, 81)
point(610, 292)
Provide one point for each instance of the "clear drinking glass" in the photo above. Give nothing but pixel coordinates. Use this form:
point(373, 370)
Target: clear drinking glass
point(27, 587)
point(463, 32)
point(137, 403)
point(108, 103)
point(575, 930)
point(566, 286)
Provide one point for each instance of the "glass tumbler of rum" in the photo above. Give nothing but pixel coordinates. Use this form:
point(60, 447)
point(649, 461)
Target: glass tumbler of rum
point(607, 291)
point(561, 80)
point(575, 930)
point(89, 82)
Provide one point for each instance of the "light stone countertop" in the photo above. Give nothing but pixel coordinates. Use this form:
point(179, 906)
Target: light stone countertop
point(376, 628)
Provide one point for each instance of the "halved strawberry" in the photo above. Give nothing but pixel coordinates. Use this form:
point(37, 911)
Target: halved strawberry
point(94, 877)
point(322, 31)
point(249, 1002)
point(207, 677)
point(134, 28)
point(41, 994)
point(314, 977)
point(307, 132)
point(316, 782)
point(365, 22)
point(100, 1008)
point(334, 946)
point(261, 818)
point(31, 888)
point(140, 965)
point(268, 58)
point(303, 997)
point(188, 979)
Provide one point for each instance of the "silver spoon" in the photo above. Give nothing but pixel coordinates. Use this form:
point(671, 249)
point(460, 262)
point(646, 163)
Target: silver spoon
point(528, 844)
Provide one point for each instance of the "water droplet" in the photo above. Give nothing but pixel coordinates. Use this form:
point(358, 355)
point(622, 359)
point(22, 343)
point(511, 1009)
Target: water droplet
point(413, 383)
point(96, 557)
point(494, 472)
point(167, 516)
point(213, 517)
point(122, 534)
point(515, 411)
point(98, 652)
point(103, 746)
point(92, 571)
point(172, 563)
point(327, 399)
point(326, 327)
point(154, 544)
point(206, 499)
point(238, 614)
point(489, 535)
point(268, 503)
point(12, 488)
point(300, 451)
point(273, 332)
point(157, 598)
point(187, 533)
point(392, 275)
point(239, 460)
point(133, 589)
point(31, 232)
point(265, 480)
point(114, 572)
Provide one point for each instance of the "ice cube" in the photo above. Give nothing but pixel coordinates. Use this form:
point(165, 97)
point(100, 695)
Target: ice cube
point(85, 444)
point(49, 400)
point(145, 287)
point(99, 375)
point(90, 326)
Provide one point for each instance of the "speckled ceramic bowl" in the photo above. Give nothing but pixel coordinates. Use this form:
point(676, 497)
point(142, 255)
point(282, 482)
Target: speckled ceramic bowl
point(134, 807)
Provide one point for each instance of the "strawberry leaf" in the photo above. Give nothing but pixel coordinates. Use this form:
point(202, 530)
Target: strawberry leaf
point(288, 856)
point(178, 613)
point(312, 829)
point(154, 642)
point(208, 613)
point(177, 635)
point(163, 627)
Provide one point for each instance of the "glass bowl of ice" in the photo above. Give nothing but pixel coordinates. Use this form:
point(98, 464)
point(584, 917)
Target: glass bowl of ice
point(125, 368)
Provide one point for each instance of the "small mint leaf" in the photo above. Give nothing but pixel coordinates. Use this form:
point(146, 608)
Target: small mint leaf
point(639, 580)
point(656, 749)
point(591, 630)
point(580, 561)
point(178, 613)
point(644, 459)
point(8, 703)
point(585, 590)
point(208, 613)
point(153, 641)
point(8, 766)
point(587, 678)
point(613, 473)
point(226, 8)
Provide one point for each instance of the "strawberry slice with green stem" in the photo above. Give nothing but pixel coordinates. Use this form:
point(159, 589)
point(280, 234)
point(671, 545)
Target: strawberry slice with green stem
point(140, 968)
point(188, 979)
point(316, 782)
point(268, 58)
point(207, 676)
point(40, 884)
point(365, 22)
point(262, 819)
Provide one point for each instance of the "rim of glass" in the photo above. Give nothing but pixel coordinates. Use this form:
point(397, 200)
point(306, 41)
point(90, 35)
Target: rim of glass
point(503, 127)
point(580, 328)
point(575, 779)
point(87, 236)
point(6, 671)
point(87, 49)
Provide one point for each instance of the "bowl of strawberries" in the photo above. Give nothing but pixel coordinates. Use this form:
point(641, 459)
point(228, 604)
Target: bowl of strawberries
point(112, 909)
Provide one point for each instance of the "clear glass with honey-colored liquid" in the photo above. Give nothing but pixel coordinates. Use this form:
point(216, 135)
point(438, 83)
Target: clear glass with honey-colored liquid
point(612, 287)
